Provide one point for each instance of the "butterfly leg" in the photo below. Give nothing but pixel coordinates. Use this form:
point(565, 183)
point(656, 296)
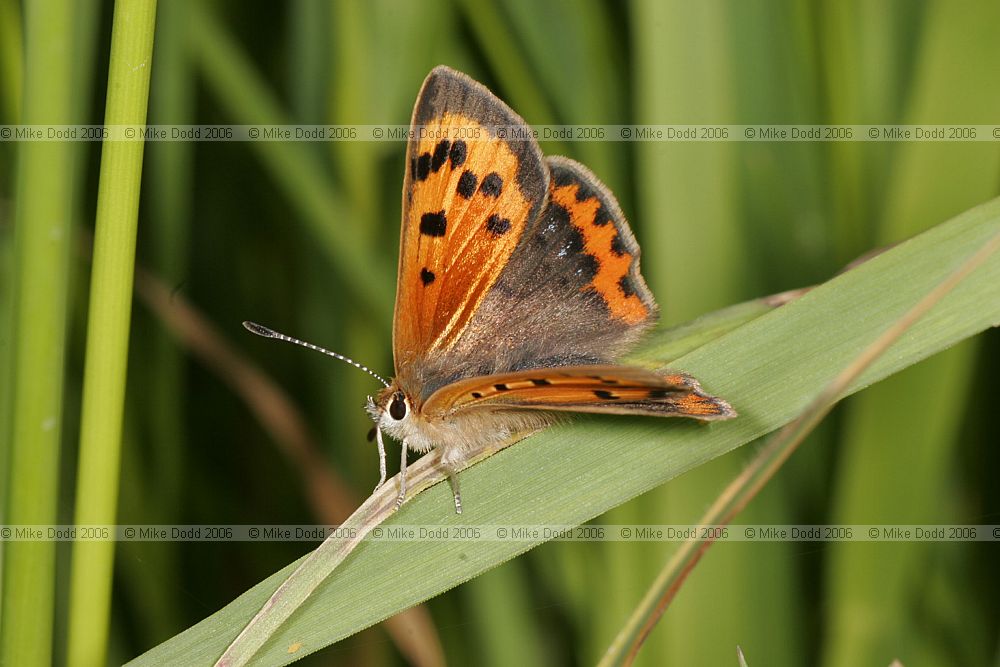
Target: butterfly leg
point(451, 461)
point(402, 476)
point(453, 480)
point(381, 458)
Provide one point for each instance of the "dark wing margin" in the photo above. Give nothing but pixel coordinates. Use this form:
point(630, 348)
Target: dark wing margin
point(448, 91)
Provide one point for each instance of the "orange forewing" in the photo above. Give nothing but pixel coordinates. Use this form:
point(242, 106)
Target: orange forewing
point(451, 254)
point(468, 196)
point(598, 389)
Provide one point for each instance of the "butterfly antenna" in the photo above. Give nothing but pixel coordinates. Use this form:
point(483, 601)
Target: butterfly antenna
point(261, 330)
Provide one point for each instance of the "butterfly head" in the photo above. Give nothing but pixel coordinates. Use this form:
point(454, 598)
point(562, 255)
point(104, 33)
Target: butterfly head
point(392, 412)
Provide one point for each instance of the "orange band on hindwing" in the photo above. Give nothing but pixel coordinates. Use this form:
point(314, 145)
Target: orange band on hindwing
point(601, 240)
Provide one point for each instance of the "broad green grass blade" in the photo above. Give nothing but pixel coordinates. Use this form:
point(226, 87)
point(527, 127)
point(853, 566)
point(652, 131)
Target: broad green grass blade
point(108, 330)
point(668, 344)
point(767, 369)
point(43, 238)
point(693, 231)
point(872, 586)
point(766, 463)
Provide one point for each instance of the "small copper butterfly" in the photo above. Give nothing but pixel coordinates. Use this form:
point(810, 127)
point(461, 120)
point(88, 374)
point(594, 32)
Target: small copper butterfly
point(518, 288)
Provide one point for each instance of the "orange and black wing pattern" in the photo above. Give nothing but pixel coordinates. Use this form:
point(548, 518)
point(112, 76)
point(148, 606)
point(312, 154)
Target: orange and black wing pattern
point(596, 389)
point(572, 292)
point(604, 235)
point(469, 196)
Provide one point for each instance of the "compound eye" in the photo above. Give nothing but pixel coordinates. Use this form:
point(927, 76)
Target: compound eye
point(397, 408)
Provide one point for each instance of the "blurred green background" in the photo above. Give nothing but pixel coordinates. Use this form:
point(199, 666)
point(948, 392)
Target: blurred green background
point(303, 237)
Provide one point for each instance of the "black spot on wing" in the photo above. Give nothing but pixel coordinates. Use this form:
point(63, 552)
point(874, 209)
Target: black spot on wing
point(444, 88)
point(626, 285)
point(501, 387)
point(563, 177)
point(618, 246)
point(601, 216)
point(433, 224)
point(541, 382)
point(605, 395)
point(587, 267)
point(440, 155)
point(584, 192)
point(476, 394)
point(658, 393)
point(459, 150)
point(466, 184)
point(427, 276)
point(423, 166)
point(584, 265)
point(574, 242)
point(496, 225)
point(492, 185)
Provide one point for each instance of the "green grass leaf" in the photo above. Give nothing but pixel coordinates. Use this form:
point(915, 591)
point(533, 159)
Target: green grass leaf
point(108, 328)
point(31, 419)
point(769, 368)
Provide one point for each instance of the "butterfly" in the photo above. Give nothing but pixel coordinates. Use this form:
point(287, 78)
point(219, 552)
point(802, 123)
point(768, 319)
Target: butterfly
point(518, 289)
